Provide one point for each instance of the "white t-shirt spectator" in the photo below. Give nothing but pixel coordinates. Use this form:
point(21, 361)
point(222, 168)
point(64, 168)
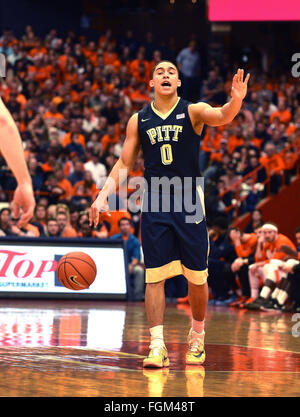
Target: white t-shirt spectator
point(98, 172)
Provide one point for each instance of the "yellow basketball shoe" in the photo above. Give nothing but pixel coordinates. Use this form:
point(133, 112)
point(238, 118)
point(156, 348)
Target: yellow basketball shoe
point(157, 358)
point(196, 353)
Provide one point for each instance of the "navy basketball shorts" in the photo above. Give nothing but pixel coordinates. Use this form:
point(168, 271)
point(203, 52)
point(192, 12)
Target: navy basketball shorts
point(172, 246)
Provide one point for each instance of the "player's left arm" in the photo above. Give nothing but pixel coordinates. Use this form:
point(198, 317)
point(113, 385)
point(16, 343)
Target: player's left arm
point(217, 116)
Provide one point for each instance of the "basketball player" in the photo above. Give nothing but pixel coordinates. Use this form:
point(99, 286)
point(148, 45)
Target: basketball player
point(168, 131)
point(12, 150)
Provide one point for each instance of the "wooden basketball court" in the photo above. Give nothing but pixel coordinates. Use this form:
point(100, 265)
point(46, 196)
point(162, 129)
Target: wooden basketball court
point(95, 349)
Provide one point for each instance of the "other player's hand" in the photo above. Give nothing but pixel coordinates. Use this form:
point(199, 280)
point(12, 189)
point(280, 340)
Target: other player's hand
point(23, 203)
point(239, 86)
point(99, 205)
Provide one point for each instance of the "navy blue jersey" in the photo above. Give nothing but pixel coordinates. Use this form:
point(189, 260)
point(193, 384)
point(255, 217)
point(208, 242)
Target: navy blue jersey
point(169, 143)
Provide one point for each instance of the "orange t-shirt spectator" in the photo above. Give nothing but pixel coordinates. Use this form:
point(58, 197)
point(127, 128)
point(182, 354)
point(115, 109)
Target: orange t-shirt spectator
point(140, 96)
point(52, 113)
point(134, 66)
point(86, 188)
point(272, 162)
point(211, 141)
point(244, 243)
point(111, 137)
point(73, 129)
point(271, 249)
point(65, 229)
point(112, 220)
point(284, 115)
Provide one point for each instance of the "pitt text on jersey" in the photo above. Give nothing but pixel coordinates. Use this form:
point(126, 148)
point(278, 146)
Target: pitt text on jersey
point(165, 133)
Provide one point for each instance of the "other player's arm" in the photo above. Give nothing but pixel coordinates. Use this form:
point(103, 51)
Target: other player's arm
point(11, 148)
point(119, 171)
point(217, 116)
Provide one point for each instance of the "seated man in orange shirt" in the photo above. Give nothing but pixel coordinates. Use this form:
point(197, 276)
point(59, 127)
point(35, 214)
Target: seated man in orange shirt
point(244, 245)
point(65, 229)
point(268, 268)
point(274, 166)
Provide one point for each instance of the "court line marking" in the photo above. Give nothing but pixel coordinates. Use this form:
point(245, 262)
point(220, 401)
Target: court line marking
point(116, 353)
point(82, 363)
point(74, 348)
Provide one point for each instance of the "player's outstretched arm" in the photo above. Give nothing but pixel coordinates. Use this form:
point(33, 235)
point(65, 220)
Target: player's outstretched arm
point(120, 170)
point(217, 116)
point(12, 150)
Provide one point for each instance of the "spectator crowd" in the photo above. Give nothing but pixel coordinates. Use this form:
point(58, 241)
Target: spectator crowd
point(71, 98)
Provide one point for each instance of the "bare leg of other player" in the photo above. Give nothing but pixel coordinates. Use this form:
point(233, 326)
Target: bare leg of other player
point(198, 298)
point(155, 308)
point(155, 303)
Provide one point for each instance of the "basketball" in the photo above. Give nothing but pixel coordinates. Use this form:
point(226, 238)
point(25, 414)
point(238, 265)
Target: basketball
point(76, 271)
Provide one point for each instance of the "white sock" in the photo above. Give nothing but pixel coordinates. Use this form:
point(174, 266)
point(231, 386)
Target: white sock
point(157, 335)
point(265, 292)
point(282, 297)
point(198, 326)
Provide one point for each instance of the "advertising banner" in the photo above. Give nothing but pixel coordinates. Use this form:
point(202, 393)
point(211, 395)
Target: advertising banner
point(29, 266)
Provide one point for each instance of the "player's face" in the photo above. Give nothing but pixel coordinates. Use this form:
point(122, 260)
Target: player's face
point(165, 79)
point(270, 235)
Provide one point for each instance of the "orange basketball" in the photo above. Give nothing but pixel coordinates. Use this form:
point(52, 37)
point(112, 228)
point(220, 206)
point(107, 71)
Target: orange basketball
point(76, 271)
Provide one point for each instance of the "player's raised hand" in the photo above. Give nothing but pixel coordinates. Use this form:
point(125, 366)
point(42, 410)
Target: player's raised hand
point(239, 86)
point(99, 205)
point(23, 202)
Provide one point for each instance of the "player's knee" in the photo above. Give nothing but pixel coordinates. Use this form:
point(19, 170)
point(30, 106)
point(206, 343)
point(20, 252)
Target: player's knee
point(155, 284)
point(201, 284)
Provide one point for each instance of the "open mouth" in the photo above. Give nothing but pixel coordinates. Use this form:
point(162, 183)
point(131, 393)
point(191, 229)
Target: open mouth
point(166, 84)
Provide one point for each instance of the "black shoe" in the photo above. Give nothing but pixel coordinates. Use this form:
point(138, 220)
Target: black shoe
point(292, 307)
point(270, 304)
point(296, 308)
point(256, 304)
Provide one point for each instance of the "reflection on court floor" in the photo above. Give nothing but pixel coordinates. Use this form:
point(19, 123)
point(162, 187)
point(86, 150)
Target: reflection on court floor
point(50, 348)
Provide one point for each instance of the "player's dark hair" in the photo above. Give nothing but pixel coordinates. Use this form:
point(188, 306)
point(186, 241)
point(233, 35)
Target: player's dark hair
point(297, 230)
point(163, 60)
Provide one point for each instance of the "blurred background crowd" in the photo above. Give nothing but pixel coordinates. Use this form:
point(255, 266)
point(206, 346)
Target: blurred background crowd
point(71, 97)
